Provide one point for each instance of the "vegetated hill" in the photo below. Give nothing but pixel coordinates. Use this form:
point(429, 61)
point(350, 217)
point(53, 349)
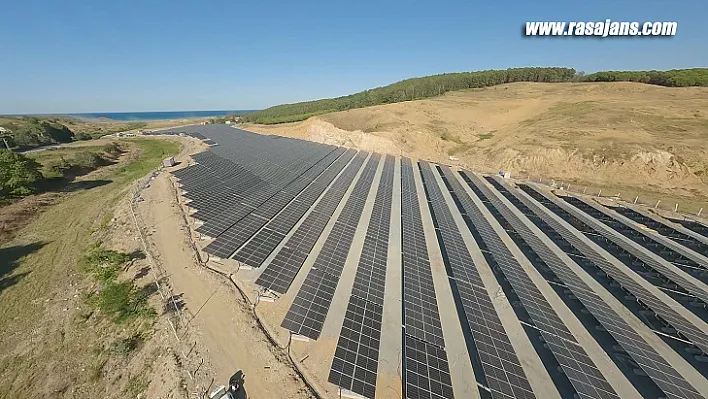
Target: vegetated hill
point(30, 132)
point(432, 86)
point(624, 137)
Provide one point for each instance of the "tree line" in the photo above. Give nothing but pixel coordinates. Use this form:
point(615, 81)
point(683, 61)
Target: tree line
point(672, 78)
point(432, 86)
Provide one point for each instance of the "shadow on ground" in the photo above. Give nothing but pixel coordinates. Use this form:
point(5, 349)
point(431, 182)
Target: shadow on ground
point(239, 378)
point(84, 185)
point(9, 261)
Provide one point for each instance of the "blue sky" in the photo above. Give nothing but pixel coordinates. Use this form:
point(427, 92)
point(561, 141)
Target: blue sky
point(112, 56)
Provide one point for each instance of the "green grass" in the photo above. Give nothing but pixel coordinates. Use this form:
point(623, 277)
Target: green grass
point(125, 346)
point(484, 136)
point(56, 240)
point(151, 151)
point(123, 302)
point(104, 264)
point(137, 384)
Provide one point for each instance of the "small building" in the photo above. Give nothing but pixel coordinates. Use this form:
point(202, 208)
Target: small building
point(168, 162)
point(228, 122)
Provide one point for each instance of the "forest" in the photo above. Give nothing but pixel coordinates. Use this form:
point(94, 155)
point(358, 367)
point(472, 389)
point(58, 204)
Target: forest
point(672, 78)
point(432, 86)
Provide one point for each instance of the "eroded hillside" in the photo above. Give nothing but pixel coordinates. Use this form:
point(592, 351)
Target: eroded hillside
point(624, 136)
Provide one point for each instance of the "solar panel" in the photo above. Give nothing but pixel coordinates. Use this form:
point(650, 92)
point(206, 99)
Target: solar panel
point(286, 267)
point(621, 332)
point(532, 302)
point(331, 259)
point(426, 371)
point(493, 357)
point(355, 362)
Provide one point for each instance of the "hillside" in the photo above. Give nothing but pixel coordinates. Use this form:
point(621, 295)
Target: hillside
point(436, 85)
point(28, 132)
point(634, 138)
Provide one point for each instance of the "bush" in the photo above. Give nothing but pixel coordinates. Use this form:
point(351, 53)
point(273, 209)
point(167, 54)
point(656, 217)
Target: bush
point(123, 301)
point(104, 264)
point(112, 149)
point(87, 159)
point(18, 173)
point(84, 136)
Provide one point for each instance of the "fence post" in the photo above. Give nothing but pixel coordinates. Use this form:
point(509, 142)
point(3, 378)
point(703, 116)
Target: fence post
point(657, 204)
point(599, 194)
point(676, 208)
point(636, 199)
point(699, 212)
point(585, 191)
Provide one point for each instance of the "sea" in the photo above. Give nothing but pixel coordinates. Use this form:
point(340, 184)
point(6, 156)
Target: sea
point(161, 115)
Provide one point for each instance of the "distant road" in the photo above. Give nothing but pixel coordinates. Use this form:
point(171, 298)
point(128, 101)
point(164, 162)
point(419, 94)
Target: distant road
point(43, 148)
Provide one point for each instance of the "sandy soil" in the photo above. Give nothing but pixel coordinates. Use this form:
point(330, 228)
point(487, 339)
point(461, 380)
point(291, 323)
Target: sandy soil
point(625, 137)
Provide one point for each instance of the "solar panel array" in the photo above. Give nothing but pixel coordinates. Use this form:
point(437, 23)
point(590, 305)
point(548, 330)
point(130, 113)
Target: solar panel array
point(676, 258)
point(501, 372)
point(669, 322)
point(641, 352)
point(426, 368)
point(639, 298)
point(355, 361)
point(587, 381)
point(664, 229)
point(255, 252)
point(287, 263)
point(309, 309)
point(687, 292)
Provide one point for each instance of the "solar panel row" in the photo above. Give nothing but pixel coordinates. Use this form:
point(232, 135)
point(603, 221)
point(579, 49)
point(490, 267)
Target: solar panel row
point(492, 351)
point(665, 376)
point(282, 270)
point(586, 380)
point(355, 361)
point(309, 309)
point(425, 364)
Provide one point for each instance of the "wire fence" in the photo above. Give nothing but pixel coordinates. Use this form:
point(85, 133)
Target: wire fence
point(188, 358)
point(684, 209)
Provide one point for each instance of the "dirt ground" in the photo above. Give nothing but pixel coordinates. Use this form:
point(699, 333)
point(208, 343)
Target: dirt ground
point(633, 138)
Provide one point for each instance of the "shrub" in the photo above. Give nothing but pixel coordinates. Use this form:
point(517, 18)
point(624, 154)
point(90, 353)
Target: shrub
point(18, 173)
point(87, 159)
point(123, 301)
point(104, 264)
